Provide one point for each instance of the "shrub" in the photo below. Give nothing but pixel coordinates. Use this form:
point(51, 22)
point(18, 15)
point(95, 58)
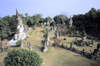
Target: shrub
point(45, 35)
point(18, 42)
point(44, 32)
point(22, 57)
point(43, 41)
point(88, 43)
point(47, 28)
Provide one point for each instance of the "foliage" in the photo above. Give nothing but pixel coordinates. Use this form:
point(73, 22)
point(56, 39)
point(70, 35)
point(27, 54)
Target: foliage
point(60, 19)
point(45, 35)
point(48, 19)
point(73, 28)
point(57, 41)
point(78, 42)
point(23, 19)
point(47, 28)
point(63, 31)
point(43, 41)
point(7, 26)
point(52, 23)
point(41, 20)
point(30, 22)
point(44, 32)
point(90, 21)
point(22, 57)
point(36, 18)
point(18, 42)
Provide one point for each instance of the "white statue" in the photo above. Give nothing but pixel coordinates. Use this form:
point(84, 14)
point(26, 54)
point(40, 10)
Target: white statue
point(20, 31)
point(70, 22)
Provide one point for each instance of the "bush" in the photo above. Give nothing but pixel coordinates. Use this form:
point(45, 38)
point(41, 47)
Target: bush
point(44, 32)
point(22, 57)
point(18, 42)
point(78, 42)
point(43, 41)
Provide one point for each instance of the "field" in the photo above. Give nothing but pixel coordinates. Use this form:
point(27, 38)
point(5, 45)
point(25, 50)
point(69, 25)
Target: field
point(55, 56)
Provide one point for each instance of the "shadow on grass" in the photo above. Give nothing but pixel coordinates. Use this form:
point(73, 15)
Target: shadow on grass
point(94, 64)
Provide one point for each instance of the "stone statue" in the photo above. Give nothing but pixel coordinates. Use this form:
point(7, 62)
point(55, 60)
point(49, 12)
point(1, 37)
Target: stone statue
point(30, 46)
point(22, 44)
point(20, 31)
point(70, 45)
point(70, 22)
point(20, 34)
point(47, 40)
point(47, 23)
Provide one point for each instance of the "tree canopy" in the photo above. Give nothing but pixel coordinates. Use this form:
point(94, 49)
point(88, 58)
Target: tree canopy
point(90, 21)
point(60, 19)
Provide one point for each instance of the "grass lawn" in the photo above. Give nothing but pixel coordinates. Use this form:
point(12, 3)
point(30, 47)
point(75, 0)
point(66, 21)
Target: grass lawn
point(55, 56)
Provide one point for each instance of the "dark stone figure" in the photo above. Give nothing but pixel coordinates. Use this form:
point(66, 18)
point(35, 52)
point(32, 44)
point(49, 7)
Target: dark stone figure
point(62, 45)
point(95, 51)
point(83, 52)
point(98, 46)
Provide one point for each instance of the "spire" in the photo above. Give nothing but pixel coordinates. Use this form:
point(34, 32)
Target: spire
point(17, 14)
point(70, 18)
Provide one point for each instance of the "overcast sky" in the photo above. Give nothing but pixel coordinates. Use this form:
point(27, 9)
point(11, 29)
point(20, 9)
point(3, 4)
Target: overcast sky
point(47, 7)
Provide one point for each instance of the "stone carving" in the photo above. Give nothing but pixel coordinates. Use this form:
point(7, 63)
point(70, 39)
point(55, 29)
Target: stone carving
point(20, 31)
point(47, 23)
point(70, 45)
point(30, 46)
point(70, 22)
point(47, 40)
point(22, 44)
point(57, 33)
point(20, 34)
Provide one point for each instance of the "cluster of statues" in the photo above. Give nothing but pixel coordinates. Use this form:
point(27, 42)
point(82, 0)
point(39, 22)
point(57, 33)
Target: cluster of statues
point(29, 45)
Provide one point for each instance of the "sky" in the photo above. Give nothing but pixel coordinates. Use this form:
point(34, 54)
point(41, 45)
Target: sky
point(47, 7)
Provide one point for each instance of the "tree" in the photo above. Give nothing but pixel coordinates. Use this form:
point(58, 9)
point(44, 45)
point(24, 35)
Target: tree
point(23, 18)
point(89, 21)
point(13, 23)
point(22, 57)
point(7, 26)
point(30, 22)
point(41, 20)
point(52, 23)
point(27, 17)
point(60, 19)
point(5, 30)
point(36, 18)
point(48, 19)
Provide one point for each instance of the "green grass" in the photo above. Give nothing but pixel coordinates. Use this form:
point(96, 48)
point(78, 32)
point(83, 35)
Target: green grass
point(55, 56)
